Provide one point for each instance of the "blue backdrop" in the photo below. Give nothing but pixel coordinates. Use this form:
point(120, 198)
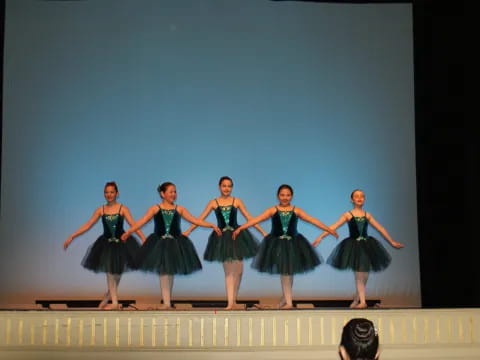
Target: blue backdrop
point(316, 95)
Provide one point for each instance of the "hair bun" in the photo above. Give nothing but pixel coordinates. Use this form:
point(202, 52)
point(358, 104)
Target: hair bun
point(363, 331)
point(360, 339)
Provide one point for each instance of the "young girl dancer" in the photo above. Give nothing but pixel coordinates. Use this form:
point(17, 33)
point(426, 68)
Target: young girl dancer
point(284, 251)
point(360, 252)
point(222, 247)
point(166, 251)
point(109, 254)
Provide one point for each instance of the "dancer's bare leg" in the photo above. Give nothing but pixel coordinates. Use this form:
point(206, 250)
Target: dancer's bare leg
point(356, 299)
point(238, 273)
point(112, 282)
point(105, 299)
point(229, 269)
point(166, 287)
point(361, 278)
point(282, 301)
point(287, 283)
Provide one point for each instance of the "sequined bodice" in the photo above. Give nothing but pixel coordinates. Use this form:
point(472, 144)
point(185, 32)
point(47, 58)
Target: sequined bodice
point(112, 226)
point(358, 226)
point(226, 217)
point(167, 222)
point(284, 223)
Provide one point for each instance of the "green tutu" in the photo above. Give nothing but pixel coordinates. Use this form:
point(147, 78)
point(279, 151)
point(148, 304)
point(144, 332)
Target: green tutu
point(111, 257)
point(224, 248)
point(284, 256)
point(360, 255)
point(168, 255)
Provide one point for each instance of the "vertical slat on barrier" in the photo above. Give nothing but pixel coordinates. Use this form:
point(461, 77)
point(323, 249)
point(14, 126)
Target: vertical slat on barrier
point(129, 331)
point(177, 342)
point(274, 331)
point(55, 341)
point(141, 332)
point(214, 331)
point(20, 332)
point(225, 333)
point(310, 331)
point(117, 332)
point(92, 332)
point(262, 332)
point(239, 332)
point(250, 331)
point(190, 332)
point(105, 332)
point(44, 332)
point(80, 332)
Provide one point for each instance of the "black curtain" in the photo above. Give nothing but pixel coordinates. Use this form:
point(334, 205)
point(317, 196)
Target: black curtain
point(447, 158)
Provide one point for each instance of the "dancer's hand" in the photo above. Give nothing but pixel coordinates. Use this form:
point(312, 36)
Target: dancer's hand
point(397, 245)
point(125, 236)
point(67, 242)
point(217, 230)
point(235, 233)
point(333, 232)
point(186, 233)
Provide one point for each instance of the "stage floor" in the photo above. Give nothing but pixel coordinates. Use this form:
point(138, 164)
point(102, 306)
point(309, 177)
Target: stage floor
point(212, 333)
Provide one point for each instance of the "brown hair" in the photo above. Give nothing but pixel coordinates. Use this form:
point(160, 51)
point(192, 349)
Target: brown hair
point(163, 187)
point(354, 191)
point(111, 183)
point(224, 178)
point(284, 186)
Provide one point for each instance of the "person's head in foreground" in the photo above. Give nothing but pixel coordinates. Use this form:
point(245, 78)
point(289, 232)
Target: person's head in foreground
point(359, 340)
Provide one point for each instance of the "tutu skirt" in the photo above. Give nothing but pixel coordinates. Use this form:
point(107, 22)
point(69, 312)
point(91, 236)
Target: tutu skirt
point(286, 256)
point(224, 248)
point(110, 256)
point(168, 255)
point(360, 255)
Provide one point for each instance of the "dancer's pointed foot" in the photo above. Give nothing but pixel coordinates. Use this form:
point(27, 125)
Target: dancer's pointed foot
point(286, 307)
point(165, 307)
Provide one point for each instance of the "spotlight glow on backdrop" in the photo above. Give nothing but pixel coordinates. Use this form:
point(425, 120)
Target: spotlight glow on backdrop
point(316, 95)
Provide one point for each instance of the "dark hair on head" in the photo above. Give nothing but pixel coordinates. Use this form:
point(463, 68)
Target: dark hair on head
point(111, 183)
point(284, 186)
point(353, 192)
point(360, 339)
point(163, 187)
point(224, 178)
